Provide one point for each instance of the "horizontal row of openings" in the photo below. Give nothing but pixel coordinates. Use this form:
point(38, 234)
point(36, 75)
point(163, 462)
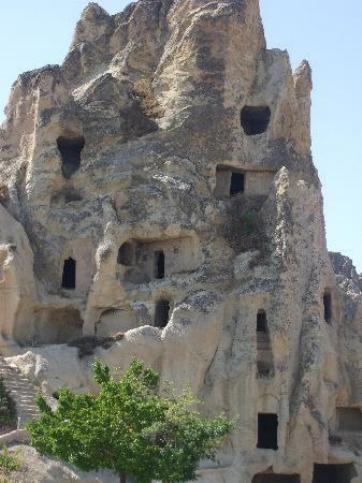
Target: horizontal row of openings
point(253, 119)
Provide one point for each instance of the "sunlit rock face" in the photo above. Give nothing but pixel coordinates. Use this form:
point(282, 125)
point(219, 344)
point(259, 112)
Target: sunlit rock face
point(159, 185)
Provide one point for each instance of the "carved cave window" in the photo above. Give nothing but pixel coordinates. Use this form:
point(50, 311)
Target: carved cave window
point(162, 313)
point(255, 119)
point(267, 431)
point(70, 150)
point(125, 254)
point(159, 264)
point(69, 274)
point(261, 322)
point(327, 306)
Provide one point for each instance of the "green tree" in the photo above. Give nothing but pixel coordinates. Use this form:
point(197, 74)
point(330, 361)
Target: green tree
point(130, 428)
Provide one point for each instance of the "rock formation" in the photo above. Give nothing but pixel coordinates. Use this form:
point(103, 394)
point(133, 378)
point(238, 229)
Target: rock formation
point(158, 192)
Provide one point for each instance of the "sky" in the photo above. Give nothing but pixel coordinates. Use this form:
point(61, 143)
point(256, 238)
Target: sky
point(326, 32)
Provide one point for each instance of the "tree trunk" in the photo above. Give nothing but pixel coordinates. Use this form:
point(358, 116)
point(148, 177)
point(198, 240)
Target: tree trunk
point(123, 479)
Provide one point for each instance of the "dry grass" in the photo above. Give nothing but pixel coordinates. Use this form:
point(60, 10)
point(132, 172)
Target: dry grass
point(4, 194)
point(143, 91)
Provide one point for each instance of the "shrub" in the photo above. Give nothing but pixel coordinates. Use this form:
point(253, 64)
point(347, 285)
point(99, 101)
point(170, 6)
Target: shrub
point(9, 462)
point(130, 428)
point(7, 409)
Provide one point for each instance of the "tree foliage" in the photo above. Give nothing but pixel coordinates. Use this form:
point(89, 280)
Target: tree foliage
point(7, 409)
point(130, 428)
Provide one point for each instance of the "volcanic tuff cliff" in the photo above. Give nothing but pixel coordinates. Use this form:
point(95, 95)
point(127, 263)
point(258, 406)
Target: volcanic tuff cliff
point(158, 196)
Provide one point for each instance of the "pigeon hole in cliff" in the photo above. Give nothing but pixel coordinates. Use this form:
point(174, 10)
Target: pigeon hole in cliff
point(264, 358)
point(70, 149)
point(69, 274)
point(267, 431)
point(329, 473)
point(229, 182)
point(255, 119)
point(327, 305)
point(162, 313)
point(159, 264)
point(261, 322)
point(125, 254)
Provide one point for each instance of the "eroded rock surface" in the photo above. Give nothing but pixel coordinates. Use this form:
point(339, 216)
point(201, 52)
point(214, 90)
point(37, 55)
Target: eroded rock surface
point(158, 188)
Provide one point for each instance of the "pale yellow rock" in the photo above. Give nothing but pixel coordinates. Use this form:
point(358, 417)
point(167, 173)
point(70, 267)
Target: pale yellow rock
point(166, 166)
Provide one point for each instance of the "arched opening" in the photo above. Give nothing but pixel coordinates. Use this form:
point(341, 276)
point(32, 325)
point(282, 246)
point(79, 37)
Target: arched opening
point(255, 119)
point(125, 254)
point(267, 431)
point(70, 150)
point(334, 473)
point(69, 274)
point(162, 313)
point(160, 264)
point(261, 322)
point(327, 306)
point(275, 478)
point(57, 326)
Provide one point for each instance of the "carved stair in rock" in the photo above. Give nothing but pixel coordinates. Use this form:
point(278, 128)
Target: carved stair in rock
point(23, 392)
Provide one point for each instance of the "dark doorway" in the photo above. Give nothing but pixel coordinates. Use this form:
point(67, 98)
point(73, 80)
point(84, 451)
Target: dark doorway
point(237, 183)
point(275, 478)
point(160, 264)
point(255, 119)
point(70, 150)
point(267, 431)
point(334, 473)
point(69, 274)
point(162, 313)
point(327, 304)
point(261, 322)
point(125, 254)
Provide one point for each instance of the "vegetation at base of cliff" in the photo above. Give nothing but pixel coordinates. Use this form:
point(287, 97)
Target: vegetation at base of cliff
point(130, 428)
point(9, 461)
point(7, 409)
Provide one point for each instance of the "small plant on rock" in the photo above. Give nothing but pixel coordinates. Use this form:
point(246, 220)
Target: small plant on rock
point(7, 409)
point(8, 461)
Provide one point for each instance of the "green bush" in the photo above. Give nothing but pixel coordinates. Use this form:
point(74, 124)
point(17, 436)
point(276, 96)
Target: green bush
point(7, 409)
point(130, 428)
point(8, 461)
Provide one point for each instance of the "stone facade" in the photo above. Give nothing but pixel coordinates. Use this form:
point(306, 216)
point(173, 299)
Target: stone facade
point(160, 183)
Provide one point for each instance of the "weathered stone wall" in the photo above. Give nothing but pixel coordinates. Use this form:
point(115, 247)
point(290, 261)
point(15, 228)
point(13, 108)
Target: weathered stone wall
point(123, 143)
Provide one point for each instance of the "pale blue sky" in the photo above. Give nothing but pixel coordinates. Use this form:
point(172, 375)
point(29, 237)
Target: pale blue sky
point(326, 32)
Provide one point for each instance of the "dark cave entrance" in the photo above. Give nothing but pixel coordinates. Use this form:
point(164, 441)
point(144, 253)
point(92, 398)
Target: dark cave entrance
point(237, 183)
point(267, 431)
point(70, 150)
point(125, 254)
point(69, 274)
point(334, 473)
point(327, 306)
point(160, 264)
point(255, 119)
point(261, 322)
point(162, 313)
